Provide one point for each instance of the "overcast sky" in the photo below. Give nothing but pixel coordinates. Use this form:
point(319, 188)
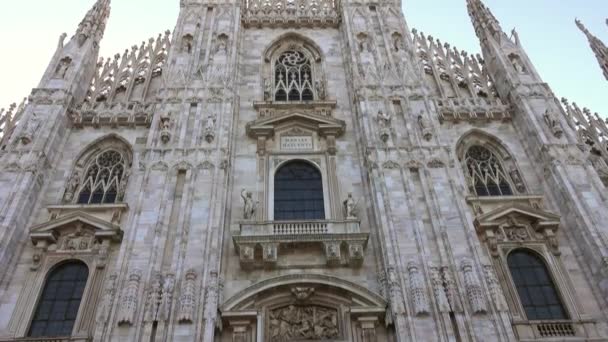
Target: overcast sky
point(29, 31)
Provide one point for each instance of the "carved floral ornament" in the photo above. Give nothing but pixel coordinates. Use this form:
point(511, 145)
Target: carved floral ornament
point(75, 233)
point(517, 224)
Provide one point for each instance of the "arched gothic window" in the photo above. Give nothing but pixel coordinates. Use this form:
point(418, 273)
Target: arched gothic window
point(298, 192)
point(535, 287)
point(58, 305)
point(293, 77)
point(485, 173)
point(104, 178)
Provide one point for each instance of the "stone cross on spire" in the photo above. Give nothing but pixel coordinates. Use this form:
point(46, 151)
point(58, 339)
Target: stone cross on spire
point(599, 48)
point(94, 23)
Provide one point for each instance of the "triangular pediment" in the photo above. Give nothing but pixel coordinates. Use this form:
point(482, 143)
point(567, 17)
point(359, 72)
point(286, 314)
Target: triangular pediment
point(51, 230)
point(538, 218)
point(322, 124)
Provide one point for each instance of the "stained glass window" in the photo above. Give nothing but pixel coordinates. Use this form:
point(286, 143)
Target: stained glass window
point(298, 192)
point(58, 306)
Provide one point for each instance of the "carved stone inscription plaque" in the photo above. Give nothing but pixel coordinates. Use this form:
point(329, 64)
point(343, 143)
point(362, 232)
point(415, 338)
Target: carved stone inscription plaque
point(296, 143)
point(301, 323)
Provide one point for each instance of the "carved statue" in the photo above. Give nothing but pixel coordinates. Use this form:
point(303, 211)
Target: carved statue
point(63, 67)
point(165, 126)
point(425, 127)
point(553, 122)
point(27, 135)
point(350, 207)
point(210, 128)
point(384, 119)
point(517, 180)
point(249, 206)
point(320, 88)
point(515, 36)
point(517, 64)
point(72, 186)
point(61, 40)
point(303, 323)
point(267, 90)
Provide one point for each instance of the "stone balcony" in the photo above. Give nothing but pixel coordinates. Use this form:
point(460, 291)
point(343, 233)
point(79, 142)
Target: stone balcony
point(46, 339)
point(292, 13)
point(259, 243)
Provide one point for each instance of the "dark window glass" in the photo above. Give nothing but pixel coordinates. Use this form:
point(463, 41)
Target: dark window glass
point(298, 192)
point(536, 290)
point(60, 300)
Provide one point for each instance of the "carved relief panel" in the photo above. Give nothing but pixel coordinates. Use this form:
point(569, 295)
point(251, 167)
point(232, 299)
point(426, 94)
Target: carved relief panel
point(303, 323)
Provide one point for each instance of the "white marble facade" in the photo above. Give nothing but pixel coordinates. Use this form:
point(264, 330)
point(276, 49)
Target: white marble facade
point(436, 168)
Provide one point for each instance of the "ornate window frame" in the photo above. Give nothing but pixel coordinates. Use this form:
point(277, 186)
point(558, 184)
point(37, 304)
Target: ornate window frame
point(516, 226)
point(75, 236)
point(507, 163)
point(78, 179)
point(319, 163)
point(310, 50)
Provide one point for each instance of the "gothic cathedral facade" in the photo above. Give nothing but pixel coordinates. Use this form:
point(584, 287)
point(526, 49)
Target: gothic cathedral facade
point(310, 170)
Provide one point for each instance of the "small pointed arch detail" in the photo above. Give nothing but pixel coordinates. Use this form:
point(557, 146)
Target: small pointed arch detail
point(298, 192)
point(101, 172)
point(535, 286)
point(60, 300)
point(488, 166)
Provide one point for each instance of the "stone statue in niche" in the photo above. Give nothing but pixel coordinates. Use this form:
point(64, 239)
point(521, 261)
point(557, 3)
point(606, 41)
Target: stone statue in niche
point(187, 43)
point(303, 323)
point(384, 121)
point(267, 90)
point(553, 122)
point(398, 42)
point(249, 205)
point(364, 43)
point(210, 128)
point(425, 127)
point(165, 128)
point(72, 186)
point(517, 64)
point(62, 68)
point(350, 207)
point(517, 180)
point(320, 89)
point(27, 135)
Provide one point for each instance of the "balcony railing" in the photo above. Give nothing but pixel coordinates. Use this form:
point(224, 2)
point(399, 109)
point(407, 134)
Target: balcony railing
point(334, 236)
point(305, 13)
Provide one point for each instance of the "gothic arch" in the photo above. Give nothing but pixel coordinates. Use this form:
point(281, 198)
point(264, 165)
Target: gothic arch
point(359, 294)
point(504, 174)
point(288, 38)
point(100, 172)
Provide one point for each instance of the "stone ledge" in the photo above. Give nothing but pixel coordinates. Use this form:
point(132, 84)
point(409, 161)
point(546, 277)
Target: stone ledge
point(271, 235)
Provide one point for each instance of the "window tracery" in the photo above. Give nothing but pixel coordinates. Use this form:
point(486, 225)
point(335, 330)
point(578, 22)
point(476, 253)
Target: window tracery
point(104, 179)
point(486, 175)
point(293, 77)
point(60, 300)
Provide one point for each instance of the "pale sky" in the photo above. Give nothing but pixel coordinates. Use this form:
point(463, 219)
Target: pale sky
point(29, 31)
